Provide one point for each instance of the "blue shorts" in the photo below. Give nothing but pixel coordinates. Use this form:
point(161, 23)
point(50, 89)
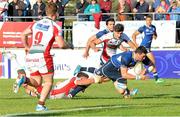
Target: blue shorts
point(110, 71)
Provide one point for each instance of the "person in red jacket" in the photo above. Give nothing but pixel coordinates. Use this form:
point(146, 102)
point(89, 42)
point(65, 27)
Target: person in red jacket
point(106, 6)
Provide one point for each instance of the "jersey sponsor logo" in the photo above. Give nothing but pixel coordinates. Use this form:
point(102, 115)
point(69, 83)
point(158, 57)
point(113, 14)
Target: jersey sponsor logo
point(42, 27)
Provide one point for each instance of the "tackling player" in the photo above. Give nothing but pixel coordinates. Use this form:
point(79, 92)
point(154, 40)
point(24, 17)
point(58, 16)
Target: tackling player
point(60, 89)
point(95, 38)
point(111, 42)
point(149, 31)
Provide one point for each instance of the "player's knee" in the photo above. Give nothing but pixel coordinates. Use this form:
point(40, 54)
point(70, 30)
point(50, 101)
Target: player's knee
point(120, 86)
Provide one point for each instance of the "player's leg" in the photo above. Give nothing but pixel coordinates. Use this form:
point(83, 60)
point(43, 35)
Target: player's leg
point(121, 86)
point(78, 89)
point(87, 69)
point(155, 73)
point(48, 82)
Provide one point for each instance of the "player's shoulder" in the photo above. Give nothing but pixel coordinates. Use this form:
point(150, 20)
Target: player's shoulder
point(104, 31)
point(124, 36)
point(56, 25)
point(127, 56)
point(153, 26)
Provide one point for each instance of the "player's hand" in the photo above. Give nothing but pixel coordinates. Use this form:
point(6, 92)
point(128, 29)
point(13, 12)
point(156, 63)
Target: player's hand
point(86, 54)
point(144, 77)
point(97, 49)
point(27, 50)
point(143, 72)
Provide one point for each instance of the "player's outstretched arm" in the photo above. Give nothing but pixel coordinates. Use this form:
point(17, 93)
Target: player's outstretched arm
point(91, 43)
point(135, 34)
point(24, 37)
point(62, 44)
point(122, 48)
point(126, 75)
point(132, 45)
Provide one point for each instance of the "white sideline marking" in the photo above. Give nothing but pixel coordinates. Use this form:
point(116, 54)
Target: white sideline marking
point(68, 110)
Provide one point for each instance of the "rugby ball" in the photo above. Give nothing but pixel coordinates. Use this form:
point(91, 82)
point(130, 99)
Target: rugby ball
point(138, 68)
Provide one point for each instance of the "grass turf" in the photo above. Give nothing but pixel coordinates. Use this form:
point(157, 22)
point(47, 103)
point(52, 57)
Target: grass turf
point(99, 100)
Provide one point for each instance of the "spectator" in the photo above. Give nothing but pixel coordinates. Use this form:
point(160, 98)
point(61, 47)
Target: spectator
point(174, 8)
point(3, 9)
point(141, 7)
point(27, 10)
point(49, 1)
point(39, 9)
point(124, 7)
point(92, 8)
point(80, 7)
point(106, 6)
point(60, 12)
point(16, 8)
point(64, 2)
point(156, 3)
point(162, 8)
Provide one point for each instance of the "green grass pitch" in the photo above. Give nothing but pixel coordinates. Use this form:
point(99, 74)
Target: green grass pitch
point(99, 100)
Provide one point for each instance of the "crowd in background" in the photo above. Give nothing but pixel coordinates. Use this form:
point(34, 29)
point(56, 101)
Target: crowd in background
point(37, 8)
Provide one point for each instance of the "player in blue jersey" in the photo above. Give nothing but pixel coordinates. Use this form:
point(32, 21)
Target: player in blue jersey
point(116, 69)
point(149, 31)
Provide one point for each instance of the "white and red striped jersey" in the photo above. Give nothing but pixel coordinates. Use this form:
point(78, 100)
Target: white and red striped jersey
point(43, 35)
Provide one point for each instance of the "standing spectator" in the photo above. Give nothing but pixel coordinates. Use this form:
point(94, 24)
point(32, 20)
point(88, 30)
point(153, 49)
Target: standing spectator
point(92, 8)
point(141, 7)
point(106, 6)
point(80, 7)
point(27, 10)
point(174, 8)
point(124, 7)
point(60, 12)
point(162, 8)
point(39, 9)
point(16, 8)
point(64, 2)
point(3, 9)
point(156, 3)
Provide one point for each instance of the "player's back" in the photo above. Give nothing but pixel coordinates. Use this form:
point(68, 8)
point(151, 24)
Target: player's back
point(148, 35)
point(43, 35)
point(123, 59)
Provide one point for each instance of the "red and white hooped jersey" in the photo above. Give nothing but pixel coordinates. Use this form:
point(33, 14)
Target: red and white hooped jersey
point(43, 35)
point(64, 87)
point(111, 44)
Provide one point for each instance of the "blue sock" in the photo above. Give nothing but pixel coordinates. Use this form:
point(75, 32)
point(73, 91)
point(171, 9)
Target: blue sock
point(155, 75)
point(78, 89)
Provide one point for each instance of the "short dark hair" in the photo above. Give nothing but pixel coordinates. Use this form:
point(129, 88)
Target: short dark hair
point(148, 16)
point(119, 27)
point(141, 49)
point(81, 74)
point(110, 20)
